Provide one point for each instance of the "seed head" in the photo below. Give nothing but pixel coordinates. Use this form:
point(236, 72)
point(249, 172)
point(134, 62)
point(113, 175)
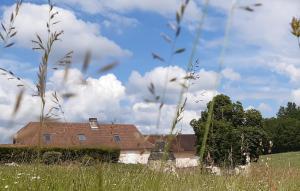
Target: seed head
point(295, 25)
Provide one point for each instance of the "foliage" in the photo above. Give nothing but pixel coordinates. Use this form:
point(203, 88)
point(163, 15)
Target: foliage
point(52, 157)
point(232, 133)
point(31, 154)
point(284, 130)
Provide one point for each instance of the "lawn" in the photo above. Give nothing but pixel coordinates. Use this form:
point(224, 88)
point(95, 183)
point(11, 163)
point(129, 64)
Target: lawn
point(272, 172)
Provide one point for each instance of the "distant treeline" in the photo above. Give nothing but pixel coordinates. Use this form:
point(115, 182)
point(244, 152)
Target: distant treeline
point(284, 130)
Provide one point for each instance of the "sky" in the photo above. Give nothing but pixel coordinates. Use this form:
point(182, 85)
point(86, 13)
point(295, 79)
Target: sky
point(260, 62)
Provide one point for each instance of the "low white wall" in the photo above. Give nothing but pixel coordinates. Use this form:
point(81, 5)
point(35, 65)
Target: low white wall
point(134, 157)
point(187, 162)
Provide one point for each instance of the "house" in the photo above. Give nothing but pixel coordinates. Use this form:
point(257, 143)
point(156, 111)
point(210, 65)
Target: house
point(183, 146)
point(134, 148)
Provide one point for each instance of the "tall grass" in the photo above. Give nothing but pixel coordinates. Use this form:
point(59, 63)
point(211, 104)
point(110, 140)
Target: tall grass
point(134, 177)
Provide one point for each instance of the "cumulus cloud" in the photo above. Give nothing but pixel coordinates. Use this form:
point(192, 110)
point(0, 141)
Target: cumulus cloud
point(265, 108)
point(79, 35)
point(146, 114)
point(27, 112)
point(230, 74)
point(289, 70)
point(97, 97)
point(138, 84)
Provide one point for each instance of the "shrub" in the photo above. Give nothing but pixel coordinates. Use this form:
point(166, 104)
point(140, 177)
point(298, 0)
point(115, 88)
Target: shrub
point(32, 154)
point(51, 157)
point(87, 160)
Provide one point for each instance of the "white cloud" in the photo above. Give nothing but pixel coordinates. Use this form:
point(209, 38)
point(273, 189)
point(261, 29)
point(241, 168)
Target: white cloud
point(117, 22)
point(265, 108)
point(295, 96)
point(230, 74)
point(145, 114)
point(249, 107)
point(165, 8)
point(28, 111)
point(79, 35)
point(98, 97)
point(277, 14)
point(258, 38)
point(290, 70)
point(138, 84)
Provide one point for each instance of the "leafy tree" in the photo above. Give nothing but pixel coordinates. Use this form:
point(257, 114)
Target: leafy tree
point(284, 131)
point(253, 118)
point(233, 132)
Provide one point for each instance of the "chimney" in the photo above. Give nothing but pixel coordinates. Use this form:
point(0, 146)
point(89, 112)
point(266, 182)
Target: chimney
point(93, 123)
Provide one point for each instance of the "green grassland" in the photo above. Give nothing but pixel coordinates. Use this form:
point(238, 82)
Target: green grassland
point(272, 172)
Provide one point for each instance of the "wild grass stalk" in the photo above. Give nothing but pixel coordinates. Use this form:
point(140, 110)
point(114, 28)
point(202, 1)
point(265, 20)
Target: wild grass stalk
point(177, 31)
point(9, 30)
point(46, 49)
point(181, 104)
point(295, 28)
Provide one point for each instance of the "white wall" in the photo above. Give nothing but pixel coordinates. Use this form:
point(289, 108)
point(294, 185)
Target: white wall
point(187, 162)
point(134, 157)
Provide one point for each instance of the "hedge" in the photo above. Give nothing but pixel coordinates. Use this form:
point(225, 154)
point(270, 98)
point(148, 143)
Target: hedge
point(33, 154)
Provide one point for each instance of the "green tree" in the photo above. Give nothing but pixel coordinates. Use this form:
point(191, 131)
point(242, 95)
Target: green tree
point(253, 118)
point(233, 132)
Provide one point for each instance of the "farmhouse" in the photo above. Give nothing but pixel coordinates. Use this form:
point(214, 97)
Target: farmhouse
point(135, 148)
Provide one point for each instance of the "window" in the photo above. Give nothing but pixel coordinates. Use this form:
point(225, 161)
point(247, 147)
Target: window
point(117, 138)
point(93, 123)
point(47, 138)
point(82, 137)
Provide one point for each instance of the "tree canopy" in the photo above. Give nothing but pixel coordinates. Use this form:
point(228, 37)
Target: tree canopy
point(233, 132)
point(284, 130)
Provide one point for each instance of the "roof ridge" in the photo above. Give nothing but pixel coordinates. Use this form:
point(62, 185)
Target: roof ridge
point(127, 124)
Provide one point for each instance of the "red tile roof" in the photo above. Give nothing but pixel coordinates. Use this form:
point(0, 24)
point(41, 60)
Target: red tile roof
point(180, 143)
point(66, 135)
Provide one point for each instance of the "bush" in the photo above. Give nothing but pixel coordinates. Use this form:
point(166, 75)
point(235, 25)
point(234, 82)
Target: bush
point(33, 154)
point(87, 160)
point(51, 157)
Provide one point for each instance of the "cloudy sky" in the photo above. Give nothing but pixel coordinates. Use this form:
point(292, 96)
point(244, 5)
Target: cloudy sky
point(260, 69)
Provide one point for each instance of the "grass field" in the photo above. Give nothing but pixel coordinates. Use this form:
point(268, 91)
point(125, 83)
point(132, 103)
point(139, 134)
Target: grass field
point(273, 172)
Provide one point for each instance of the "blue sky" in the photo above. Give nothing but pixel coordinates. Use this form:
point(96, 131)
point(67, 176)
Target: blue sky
point(260, 69)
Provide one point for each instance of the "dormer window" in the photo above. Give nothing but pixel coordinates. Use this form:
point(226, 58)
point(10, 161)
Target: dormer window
point(117, 138)
point(47, 138)
point(93, 123)
point(81, 137)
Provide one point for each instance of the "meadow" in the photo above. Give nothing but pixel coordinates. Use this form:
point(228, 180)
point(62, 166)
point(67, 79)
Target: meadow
point(272, 172)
